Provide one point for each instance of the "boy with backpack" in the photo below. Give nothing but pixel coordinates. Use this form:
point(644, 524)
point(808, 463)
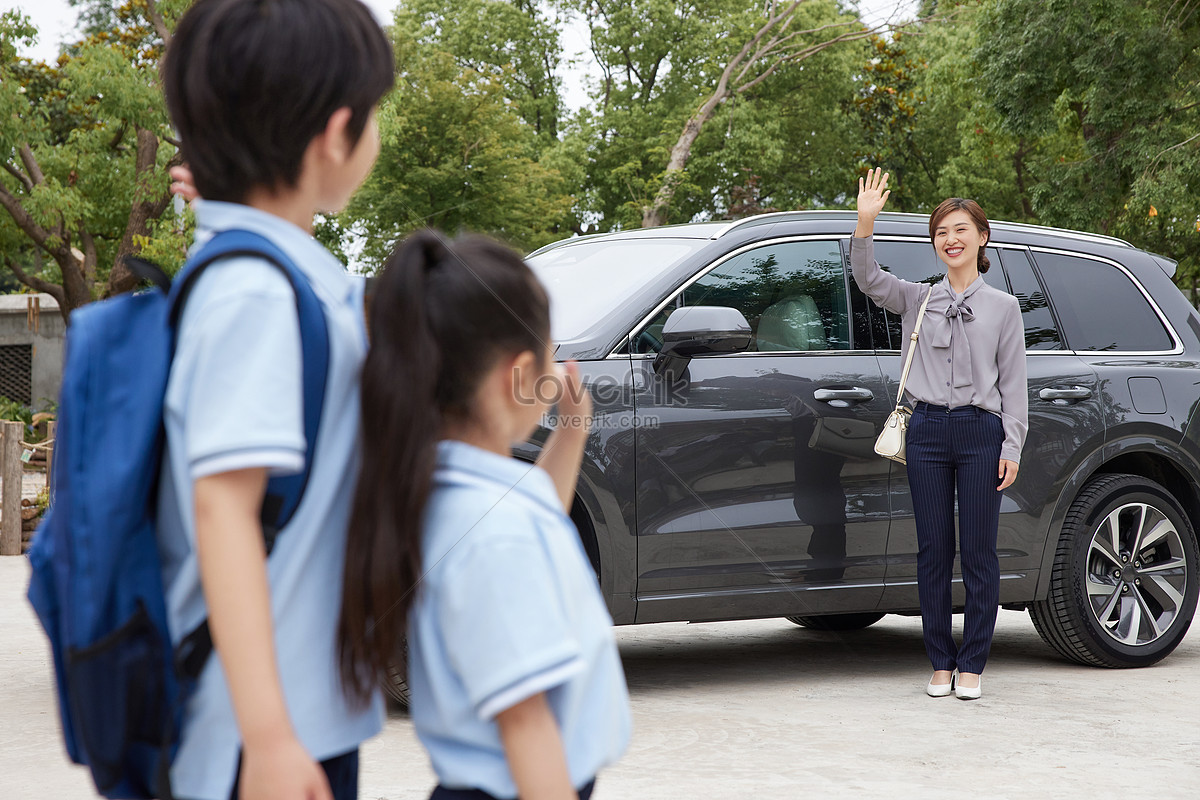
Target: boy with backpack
point(274, 103)
point(189, 570)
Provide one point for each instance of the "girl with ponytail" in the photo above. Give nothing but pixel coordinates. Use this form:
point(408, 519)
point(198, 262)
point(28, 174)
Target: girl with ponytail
point(517, 688)
point(970, 396)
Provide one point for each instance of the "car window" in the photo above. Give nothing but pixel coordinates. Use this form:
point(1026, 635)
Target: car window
point(587, 279)
point(1041, 332)
point(914, 261)
point(793, 294)
point(1080, 290)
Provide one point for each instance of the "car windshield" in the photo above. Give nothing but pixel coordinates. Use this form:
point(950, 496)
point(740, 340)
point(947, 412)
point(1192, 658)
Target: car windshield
point(587, 280)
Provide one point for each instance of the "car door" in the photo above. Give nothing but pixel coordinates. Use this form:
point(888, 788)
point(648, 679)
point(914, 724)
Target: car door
point(758, 493)
point(1065, 415)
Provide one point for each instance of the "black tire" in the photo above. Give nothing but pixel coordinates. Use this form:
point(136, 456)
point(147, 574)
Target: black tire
point(587, 534)
point(396, 686)
point(1087, 564)
point(838, 622)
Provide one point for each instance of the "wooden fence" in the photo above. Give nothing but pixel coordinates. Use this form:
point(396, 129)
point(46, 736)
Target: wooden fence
point(14, 458)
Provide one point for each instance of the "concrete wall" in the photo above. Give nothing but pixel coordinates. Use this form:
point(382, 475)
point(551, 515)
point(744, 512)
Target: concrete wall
point(45, 332)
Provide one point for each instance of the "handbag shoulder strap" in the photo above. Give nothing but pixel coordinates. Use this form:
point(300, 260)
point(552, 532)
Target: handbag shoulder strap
point(912, 348)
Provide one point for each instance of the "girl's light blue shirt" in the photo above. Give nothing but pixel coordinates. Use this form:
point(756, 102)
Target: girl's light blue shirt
point(509, 607)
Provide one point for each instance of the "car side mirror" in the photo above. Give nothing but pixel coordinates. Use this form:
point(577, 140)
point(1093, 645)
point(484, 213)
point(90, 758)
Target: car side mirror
point(700, 330)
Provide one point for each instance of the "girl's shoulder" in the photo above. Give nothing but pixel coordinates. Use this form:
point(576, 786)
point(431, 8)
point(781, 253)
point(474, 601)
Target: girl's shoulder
point(469, 515)
point(457, 514)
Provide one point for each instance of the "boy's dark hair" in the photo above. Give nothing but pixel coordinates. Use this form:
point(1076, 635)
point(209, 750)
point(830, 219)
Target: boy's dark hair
point(250, 83)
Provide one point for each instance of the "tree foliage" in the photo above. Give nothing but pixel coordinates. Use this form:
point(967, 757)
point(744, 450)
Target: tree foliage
point(998, 101)
point(85, 144)
point(701, 109)
point(1077, 113)
point(511, 41)
point(1111, 128)
point(458, 152)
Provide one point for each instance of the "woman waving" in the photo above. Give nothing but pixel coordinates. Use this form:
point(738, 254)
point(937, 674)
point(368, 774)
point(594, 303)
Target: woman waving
point(970, 407)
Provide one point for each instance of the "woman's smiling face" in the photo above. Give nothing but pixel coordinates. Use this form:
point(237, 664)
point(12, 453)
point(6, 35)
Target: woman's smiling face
point(957, 240)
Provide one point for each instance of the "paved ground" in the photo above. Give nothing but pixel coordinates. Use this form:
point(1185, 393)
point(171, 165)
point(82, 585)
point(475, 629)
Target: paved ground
point(766, 709)
point(31, 483)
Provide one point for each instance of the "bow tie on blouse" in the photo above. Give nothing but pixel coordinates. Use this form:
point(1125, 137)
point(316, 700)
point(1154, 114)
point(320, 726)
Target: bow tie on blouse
point(949, 334)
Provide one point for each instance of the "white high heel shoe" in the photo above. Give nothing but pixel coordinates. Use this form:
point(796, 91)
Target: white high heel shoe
point(969, 692)
point(941, 689)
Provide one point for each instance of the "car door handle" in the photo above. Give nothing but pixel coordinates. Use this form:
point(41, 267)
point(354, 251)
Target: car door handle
point(856, 394)
point(1065, 393)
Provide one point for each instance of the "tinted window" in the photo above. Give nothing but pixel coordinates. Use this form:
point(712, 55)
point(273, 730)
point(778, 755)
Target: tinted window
point(1040, 331)
point(912, 261)
point(917, 262)
point(860, 307)
point(793, 295)
point(1099, 307)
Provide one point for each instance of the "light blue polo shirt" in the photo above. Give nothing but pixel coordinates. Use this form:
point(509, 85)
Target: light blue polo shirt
point(234, 401)
point(508, 607)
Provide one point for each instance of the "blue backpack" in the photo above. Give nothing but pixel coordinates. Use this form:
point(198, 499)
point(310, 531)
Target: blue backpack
point(97, 580)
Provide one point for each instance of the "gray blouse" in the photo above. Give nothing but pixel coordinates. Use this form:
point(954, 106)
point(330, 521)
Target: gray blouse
point(971, 350)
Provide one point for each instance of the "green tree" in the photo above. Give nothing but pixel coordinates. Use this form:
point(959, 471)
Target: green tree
point(924, 117)
point(649, 53)
point(1114, 121)
point(790, 144)
point(973, 153)
point(512, 41)
point(764, 45)
point(456, 154)
point(85, 145)
point(889, 104)
point(704, 108)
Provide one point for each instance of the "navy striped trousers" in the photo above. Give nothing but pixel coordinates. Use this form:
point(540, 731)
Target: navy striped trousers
point(951, 450)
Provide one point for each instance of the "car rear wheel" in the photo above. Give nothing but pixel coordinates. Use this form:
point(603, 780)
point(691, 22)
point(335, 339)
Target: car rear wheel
point(1124, 585)
point(838, 622)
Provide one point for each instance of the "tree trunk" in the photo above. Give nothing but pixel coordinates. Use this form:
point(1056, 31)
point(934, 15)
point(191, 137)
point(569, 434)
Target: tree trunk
point(655, 214)
point(771, 46)
point(77, 289)
point(736, 77)
point(148, 205)
point(1019, 168)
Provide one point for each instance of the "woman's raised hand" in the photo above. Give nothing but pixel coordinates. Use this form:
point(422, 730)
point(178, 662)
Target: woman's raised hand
point(872, 194)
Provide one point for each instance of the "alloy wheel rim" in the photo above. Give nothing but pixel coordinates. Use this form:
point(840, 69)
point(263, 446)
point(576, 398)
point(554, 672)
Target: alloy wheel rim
point(1136, 574)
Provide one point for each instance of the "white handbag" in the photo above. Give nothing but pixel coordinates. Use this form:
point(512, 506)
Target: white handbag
point(890, 443)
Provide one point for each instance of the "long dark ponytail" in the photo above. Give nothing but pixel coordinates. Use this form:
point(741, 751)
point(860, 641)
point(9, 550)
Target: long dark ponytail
point(441, 314)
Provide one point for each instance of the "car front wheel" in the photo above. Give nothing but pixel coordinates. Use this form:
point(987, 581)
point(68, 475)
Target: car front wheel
point(1124, 585)
point(396, 686)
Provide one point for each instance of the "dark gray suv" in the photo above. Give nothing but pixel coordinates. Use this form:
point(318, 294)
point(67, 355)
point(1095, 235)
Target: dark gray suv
point(740, 379)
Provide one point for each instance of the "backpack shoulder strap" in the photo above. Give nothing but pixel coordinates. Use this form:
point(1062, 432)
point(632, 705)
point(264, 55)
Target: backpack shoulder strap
point(284, 493)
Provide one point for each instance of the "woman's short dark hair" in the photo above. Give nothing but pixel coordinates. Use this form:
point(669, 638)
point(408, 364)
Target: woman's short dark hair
point(952, 204)
point(250, 83)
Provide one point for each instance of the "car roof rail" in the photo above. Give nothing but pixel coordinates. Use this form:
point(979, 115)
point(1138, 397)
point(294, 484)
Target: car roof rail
point(1086, 236)
point(782, 216)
